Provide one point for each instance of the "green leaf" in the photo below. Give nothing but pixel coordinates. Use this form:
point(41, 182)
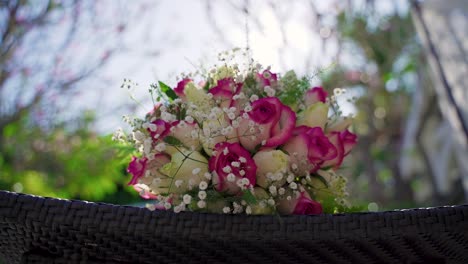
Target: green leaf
point(167, 91)
point(249, 197)
point(172, 141)
point(321, 179)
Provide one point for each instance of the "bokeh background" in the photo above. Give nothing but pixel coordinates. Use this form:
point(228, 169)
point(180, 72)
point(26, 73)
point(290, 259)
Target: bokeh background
point(403, 64)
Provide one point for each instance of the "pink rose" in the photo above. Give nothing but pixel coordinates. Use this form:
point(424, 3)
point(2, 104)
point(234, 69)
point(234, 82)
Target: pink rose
point(267, 78)
point(230, 165)
point(344, 141)
point(161, 130)
point(145, 173)
point(308, 149)
point(137, 168)
point(180, 89)
point(269, 123)
point(302, 205)
point(314, 95)
point(225, 90)
point(155, 111)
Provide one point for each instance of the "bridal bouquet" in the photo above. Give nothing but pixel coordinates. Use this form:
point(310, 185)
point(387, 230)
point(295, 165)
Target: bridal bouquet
point(241, 141)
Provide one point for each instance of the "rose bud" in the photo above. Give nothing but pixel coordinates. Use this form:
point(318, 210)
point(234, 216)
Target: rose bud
point(343, 141)
point(271, 163)
point(187, 133)
point(231, 165)
point(269, 124)
point(315, 95)
point(315, 115)
point(267, 78)
point(185, 170)
point(340, 124)
point(224, 91)
point(180, 88)
point(302, 205)
point(308, 149)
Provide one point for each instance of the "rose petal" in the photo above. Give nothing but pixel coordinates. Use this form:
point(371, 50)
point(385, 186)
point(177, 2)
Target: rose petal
point(137, 168)
point(306, 206)
point(180, 89)
point(283, 129)
point(314, 95)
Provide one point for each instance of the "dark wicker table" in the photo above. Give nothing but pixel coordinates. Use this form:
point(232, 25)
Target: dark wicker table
point(46, 230)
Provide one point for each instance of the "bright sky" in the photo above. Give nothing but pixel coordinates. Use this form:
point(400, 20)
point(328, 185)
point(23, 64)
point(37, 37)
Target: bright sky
point(173, 36)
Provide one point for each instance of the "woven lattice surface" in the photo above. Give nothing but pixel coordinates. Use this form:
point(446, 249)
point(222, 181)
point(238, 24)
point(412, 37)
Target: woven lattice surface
point(45, 230)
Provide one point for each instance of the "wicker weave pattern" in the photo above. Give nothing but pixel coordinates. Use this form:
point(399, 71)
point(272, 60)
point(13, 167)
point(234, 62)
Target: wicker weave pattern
point(45, 230)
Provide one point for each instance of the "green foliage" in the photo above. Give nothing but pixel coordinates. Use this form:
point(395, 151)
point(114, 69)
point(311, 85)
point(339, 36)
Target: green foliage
point(167, 91)
point(249, 197)
point(331, 206)
point(61, 162)
point(386, 55)
point(294, 88)
point(173, 141)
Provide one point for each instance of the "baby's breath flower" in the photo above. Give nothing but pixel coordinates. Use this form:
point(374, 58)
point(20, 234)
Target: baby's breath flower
point(281, 191)
point(245, 181)
point(226, 210)
point(271, 201)
point(138, 136)
point(178, 183)
point(231, 177)
point(227, 169)
point(189, 119)
point(177, 209)
point(202, 195)
point(187, 199)
point(272, 190)
point(201, 204)
point(293, 185)
point(161, 147)
point(203, 185)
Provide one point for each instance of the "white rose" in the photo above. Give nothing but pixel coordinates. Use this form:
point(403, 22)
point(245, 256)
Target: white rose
point(187, 166)
point(316, 115)
point(271, 162)
point(209, 141)
point(198, 97)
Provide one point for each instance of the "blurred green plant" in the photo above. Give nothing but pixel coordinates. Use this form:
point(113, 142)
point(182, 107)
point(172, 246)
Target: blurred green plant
point(64, 162)
point(384, 52)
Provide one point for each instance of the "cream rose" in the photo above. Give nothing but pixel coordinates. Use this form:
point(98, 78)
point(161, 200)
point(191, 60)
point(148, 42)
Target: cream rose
point(271, 166)
point(185, 170)
point(316, 115)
